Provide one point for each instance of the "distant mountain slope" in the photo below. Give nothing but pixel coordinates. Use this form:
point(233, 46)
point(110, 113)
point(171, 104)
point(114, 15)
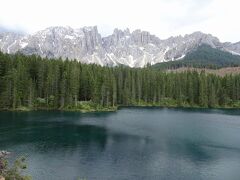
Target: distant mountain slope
point(134, 49)
point(204, 56)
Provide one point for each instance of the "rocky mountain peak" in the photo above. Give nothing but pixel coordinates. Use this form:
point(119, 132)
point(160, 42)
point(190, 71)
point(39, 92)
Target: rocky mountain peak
point(202, 38)
point(134, 49)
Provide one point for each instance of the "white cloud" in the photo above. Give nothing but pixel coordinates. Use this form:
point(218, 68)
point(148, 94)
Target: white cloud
point(161, 17)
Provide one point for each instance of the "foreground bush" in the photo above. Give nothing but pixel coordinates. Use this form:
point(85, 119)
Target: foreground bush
point(14, 172)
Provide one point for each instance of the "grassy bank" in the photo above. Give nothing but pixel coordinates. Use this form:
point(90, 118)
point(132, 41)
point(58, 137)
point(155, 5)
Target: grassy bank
point(83, 106)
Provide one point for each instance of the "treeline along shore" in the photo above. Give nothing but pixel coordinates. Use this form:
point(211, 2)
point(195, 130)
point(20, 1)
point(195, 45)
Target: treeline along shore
point(32, 82)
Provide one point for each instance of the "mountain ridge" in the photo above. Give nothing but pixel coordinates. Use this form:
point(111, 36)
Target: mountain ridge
point(203, 56)
point(135, 49)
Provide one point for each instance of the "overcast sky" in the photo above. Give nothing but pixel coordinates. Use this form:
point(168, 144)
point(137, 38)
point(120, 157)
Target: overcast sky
point(163, 18)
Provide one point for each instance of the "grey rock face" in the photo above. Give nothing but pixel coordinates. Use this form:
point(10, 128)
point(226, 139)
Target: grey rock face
point(179, 46)
point(135, 49)
point(11, 42)
point(234, 48)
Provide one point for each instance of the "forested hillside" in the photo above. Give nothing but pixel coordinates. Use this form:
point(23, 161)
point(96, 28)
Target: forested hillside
point(220, 72)
point(34, 82)
point(203, 56)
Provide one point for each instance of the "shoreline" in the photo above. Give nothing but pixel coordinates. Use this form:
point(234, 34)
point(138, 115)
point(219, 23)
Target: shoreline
point(25, 109)
point(115, 108)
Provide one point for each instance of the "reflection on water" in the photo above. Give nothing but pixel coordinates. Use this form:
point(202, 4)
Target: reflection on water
point(133, 143)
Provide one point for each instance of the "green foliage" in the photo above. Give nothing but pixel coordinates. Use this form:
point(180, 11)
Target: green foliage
point(88, 106)
point(32, 82)
point(236, 104)
point(40, 102)
point(15, 172)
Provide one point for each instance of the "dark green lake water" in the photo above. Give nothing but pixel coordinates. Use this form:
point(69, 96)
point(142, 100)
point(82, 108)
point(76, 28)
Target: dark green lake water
point(131, 144)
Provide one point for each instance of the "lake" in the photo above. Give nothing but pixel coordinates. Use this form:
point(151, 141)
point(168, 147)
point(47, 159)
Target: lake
point(130, 144)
